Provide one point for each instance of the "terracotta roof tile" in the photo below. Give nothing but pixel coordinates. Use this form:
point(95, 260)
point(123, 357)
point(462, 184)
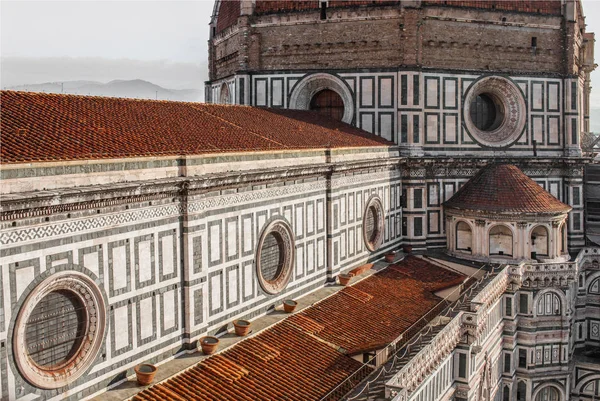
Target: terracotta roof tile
point(48, 127)
point(504, 189)
point(433, 277)
point(300, 358)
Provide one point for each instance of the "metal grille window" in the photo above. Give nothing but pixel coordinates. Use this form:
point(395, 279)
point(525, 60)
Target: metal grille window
point(371, 224)
point(55, 329)
point(271, 257)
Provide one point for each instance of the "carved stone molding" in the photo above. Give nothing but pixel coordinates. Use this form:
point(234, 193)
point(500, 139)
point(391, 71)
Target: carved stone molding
point(304, 91)
point(509, 99)
point(81, 288)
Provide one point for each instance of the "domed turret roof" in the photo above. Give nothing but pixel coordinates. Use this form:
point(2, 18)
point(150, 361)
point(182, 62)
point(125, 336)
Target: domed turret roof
point(504, 189)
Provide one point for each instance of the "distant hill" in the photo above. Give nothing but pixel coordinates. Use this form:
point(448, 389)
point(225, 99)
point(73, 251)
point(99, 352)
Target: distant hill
point(136, 89)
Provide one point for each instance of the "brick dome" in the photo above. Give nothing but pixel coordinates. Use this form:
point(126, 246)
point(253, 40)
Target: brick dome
point(504, 189)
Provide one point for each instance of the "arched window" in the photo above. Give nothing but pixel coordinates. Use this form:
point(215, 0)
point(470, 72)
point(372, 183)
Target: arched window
point(592, 388)
point(548, 394)
point(225, 97)
point(539, 241)
point(506, 394)
point(548, 304)
point(521, 391)
point(464, 237)
point(328, 103)
point(594, 287)
point(563, 239)
point(501, 241)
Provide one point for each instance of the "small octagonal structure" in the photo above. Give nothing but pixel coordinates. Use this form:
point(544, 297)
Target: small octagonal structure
point(501, 214)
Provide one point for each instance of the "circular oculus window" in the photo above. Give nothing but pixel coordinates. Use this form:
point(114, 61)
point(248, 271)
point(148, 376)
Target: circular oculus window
point(59, 330)
point(495, 112)
point(275, 257)
point(373, 221)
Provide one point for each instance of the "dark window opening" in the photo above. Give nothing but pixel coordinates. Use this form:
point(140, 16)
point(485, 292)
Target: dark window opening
point(523, 304)
point(462, 366)
point(418, 222)
point(404, 227)
point(534, 42)
point(506, 363)
point(521, 391)
point(485, 113)
point(323, 10)
point(508, 311)
point(506, 394)
point(522, 358)
point(418, 199)
point(328, 103)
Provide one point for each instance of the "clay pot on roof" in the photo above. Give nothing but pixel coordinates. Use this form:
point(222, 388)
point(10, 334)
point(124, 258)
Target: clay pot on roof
point(242, 327)
point(390, 256)
point(344, 278)
point(289, 305)
point(145, 373)
point(209, 344)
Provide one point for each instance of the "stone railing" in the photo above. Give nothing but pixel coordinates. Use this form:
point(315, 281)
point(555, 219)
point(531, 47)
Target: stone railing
point(422, 364)
point(492, 291)
point(408, 379)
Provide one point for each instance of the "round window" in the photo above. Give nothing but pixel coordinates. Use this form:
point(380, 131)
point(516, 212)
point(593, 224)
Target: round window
point(59, 330)
point(486, 112)
point(373, 224)
point(272, 256)
point(494, 112)
point(55, 329)
point(275, 257)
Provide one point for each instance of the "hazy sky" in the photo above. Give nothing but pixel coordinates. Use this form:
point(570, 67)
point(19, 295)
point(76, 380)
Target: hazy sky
point(161, 41)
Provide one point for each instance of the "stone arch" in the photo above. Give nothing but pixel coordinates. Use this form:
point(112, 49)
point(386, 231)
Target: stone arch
point(539, 392)
point(562, 238)
point(594, 284)
point(521, 391)
point(225, 94)
point(555, 297)
point(310, 85)
point(501, 240)
point(464, 236)
point(585, 382)
point(540, 240)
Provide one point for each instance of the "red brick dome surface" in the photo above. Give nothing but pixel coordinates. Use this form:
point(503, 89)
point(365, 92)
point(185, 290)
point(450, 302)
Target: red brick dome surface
point(504, 189)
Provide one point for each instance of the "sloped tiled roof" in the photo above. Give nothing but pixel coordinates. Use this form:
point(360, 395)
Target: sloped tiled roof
point(40, 127)
point(307, 355)
point(504, 189)
point(431, 276)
